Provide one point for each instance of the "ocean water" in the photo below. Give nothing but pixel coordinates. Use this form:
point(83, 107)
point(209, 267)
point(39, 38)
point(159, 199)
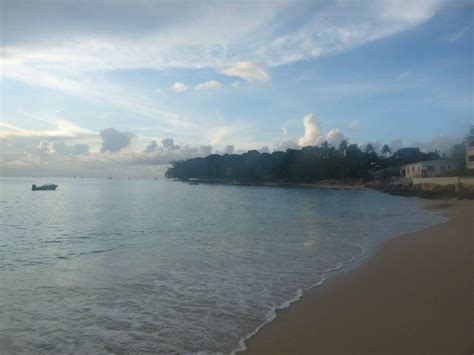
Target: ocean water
point(137, 266)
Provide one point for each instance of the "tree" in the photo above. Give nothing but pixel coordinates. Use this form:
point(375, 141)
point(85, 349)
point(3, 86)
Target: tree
point(369, 148)
point(308, 164)
point(343, 147)
point(385, 150)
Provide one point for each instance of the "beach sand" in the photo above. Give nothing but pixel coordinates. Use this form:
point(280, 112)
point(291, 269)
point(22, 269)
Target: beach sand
point(414, 295)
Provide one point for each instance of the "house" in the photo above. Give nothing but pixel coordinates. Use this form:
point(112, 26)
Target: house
point(429, 168)
point(470, 152)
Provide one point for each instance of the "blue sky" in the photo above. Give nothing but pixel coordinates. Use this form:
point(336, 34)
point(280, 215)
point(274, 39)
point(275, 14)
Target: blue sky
point(227, 76)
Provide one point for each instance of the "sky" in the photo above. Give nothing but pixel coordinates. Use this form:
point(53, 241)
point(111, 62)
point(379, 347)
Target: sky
point(94, 87)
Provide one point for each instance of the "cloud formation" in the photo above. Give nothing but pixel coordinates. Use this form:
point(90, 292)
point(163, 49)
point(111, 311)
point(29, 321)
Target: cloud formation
point(229, 149)
point(313, 136)
point(179, 87)
point(165, 36)
point(248, 71)
point(114, 141)
point(150, 148)
point(75, 149)
point(354, 125)
point(62, 128)
point(312, 131)
point(208, 85)
point(168, 144)
point(335, 136)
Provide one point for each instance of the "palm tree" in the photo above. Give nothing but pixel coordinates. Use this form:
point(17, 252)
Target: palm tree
point(385, 150)
point(325, 150)
point(343, 147)
point(369, 148)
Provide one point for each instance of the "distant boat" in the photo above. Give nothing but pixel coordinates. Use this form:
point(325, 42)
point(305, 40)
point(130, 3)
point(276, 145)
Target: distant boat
point(46, 187)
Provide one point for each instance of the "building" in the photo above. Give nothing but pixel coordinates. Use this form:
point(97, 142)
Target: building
point(429, 168)
point(470, 152)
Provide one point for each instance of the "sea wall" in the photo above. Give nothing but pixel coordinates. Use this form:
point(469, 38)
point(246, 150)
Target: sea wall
point(443, 181)
point(443, 187)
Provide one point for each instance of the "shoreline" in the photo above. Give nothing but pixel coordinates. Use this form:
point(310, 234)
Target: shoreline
point(326, 184)
point(412, 295)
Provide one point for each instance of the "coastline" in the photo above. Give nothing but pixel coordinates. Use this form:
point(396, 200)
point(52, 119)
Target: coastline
point(325, 184)
point(413, 295)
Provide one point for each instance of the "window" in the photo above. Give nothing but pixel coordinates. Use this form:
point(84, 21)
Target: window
point(419, 168)
point(471, 158)
point(430, 168)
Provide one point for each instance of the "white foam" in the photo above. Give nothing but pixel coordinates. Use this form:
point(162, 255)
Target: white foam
point(272, 314)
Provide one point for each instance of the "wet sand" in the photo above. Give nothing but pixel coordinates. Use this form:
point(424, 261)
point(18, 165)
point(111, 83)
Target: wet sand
point(414, 295)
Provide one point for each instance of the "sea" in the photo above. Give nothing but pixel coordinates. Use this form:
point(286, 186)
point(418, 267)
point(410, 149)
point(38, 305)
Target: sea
point(154, 266)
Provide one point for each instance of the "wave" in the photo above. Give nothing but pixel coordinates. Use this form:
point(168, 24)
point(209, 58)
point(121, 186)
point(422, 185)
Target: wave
point(272, 314)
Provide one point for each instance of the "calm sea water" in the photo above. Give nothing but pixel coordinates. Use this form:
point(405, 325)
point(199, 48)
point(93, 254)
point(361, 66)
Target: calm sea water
point(154, 266)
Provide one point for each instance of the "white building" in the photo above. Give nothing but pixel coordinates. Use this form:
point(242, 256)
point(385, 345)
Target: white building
point(429, 168)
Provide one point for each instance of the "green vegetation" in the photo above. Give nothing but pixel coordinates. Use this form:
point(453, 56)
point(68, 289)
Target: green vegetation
point(306, 165)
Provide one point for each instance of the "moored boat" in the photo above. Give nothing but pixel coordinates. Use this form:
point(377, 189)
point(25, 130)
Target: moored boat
point(46, 187)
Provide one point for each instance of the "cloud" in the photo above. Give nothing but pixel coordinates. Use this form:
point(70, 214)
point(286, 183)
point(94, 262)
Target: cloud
point(458, 35)
point(208, 85)
point(178, 87)
point(354, 125)
point(440, 142)
point(62, 128)
point(248, 71)
point(312, 131)
point(152, 147)
point(206, 35)
point(76, 149)
point(168, 144)
point(335, 136)
point(287, 143)
point(45, 147)
point(229, 149)
point(114, 141)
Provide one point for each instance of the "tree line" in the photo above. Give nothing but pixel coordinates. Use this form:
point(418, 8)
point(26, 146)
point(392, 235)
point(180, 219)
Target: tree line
point(309, 164)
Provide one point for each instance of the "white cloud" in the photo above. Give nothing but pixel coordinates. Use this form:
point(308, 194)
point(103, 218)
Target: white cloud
point(208, 85)
point(284, 144)
point(179, 87)
point(458, 35)
point(219, 34)
point(62, 128)
point(354, 125)
point(335, 136)
point(248, 71)
point(312, 131)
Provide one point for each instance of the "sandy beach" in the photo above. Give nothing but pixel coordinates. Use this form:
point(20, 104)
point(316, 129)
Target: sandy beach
point(414, 295)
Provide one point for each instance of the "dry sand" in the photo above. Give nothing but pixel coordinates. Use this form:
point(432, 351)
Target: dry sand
point(413, 296)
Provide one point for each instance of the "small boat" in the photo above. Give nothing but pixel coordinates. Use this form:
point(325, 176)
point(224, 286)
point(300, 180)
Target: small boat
point(46, 187)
